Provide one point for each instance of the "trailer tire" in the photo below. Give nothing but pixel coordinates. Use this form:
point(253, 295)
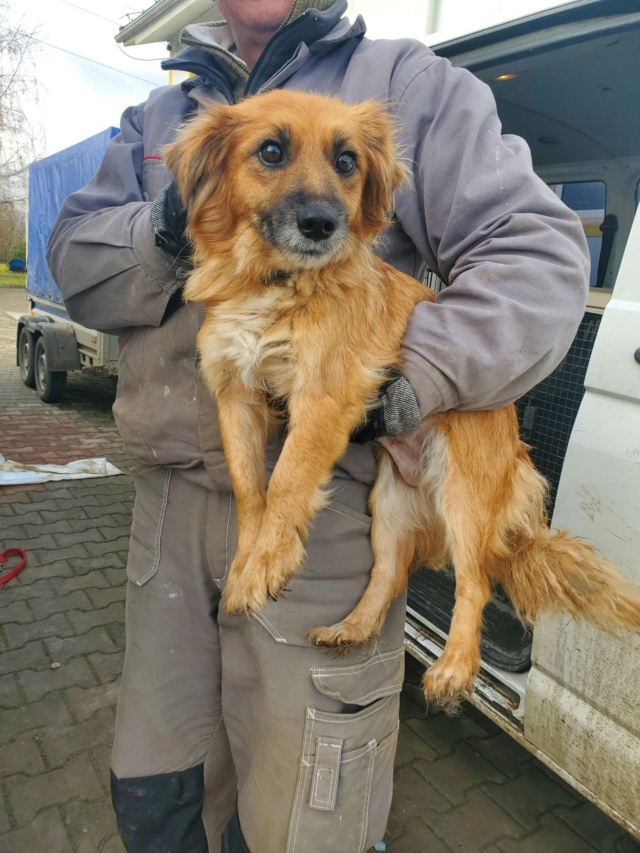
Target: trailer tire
point(25, 358)
point(49, 384)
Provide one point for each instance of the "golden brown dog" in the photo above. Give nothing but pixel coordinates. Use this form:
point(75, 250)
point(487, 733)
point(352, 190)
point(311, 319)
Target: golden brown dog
point(287, 192)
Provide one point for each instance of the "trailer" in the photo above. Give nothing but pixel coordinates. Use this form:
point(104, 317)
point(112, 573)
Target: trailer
point(48, 342)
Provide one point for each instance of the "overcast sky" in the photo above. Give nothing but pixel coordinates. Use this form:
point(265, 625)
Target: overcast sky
point(86, 80)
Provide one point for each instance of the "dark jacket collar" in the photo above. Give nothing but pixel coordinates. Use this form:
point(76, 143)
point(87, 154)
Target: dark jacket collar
point(209, 53)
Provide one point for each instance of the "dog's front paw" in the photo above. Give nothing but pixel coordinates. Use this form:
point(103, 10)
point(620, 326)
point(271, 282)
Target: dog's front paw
point(273, 564)
point(246, 595)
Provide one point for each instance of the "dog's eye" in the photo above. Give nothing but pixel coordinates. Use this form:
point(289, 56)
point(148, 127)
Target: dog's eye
point(271, 154)
point(346, 163)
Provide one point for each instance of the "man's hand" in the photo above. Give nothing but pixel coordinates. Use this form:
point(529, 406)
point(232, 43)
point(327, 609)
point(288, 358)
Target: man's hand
point(397, 412)
point(394, 424)
point(168, 221)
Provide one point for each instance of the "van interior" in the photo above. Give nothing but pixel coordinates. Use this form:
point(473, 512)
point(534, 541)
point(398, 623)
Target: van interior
point(567, 81)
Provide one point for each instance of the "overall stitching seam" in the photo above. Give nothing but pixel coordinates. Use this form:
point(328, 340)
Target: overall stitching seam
point(357, 520)
point(357, 717)
point(302, 783)
point(365, 809)
point(159, 529)
point(329, 671)
point(314, 793)
point(378, 693)
point(270, 629)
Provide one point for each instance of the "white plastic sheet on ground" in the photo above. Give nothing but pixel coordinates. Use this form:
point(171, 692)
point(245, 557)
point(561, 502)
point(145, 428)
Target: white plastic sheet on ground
point(16, 473)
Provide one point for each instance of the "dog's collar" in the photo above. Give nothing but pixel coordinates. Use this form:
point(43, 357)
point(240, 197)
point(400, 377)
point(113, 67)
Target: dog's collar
point(277, 277)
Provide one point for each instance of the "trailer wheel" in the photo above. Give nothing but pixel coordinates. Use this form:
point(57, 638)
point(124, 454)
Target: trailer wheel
point(25, 358)
point(49, 384)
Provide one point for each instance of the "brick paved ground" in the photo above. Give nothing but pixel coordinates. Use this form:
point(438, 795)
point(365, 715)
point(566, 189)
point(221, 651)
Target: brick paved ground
point(461, 785)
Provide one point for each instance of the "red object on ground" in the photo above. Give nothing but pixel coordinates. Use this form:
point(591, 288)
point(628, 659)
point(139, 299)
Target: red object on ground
point(12, 552)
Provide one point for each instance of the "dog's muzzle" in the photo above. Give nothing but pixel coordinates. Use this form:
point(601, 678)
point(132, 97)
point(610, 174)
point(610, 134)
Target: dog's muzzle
point(306, 229)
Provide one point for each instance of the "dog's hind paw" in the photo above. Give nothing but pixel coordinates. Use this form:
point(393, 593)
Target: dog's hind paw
point(447, 684)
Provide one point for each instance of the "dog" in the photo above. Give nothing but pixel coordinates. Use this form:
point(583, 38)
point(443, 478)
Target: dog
point(287, 194)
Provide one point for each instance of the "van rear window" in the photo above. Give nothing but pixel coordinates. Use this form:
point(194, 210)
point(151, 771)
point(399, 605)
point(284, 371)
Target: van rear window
point(588, 199)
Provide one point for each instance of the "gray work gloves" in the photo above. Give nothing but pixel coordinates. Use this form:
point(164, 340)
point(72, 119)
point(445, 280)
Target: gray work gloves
point(397, 412)
point(168, 222)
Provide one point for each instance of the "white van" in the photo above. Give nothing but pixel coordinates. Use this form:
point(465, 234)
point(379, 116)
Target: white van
point(568, 81)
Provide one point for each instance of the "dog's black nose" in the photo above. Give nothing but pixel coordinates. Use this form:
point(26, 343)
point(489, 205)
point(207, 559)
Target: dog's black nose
point(316, 222)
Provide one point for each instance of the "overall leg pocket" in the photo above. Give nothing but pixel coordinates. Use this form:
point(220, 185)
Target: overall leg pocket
point(344, 785)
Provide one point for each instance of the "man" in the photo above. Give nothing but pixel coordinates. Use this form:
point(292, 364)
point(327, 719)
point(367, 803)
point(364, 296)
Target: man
point(232, 719)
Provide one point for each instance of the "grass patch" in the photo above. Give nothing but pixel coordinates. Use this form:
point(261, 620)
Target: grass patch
point(11, 279)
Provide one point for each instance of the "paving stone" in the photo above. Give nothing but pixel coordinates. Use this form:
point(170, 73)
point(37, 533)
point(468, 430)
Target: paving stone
point(59, 744)
point(74, 513)
point(10, 693)
point(83, 537)
point(57, 559)
point(93, 579)
point(117, 633)
point(406, 805)
point(85, 702)
point(453, 774)
point(107, 667)
point(82, 621)
point(587, 821)
point(90, 825)
point(5, 823)
point(50, 710)
point(60, 604)
point(62, 649)
point(504, 752)
point(30, 656)
point(553, 836)
point(47, 832)
point(54, 626)
point(18, 611)
point(411, 747)
point(120, 544)
point(417, 838)
point(116, 577)
point(101, 757)
point(102, 597)
point(410, 708)
point(22, 589)
point(529, 796)
point(36, 684)
point(474, 824)
point(442, 731)
point(21, 755)
point(28, 794)
point(113, 845)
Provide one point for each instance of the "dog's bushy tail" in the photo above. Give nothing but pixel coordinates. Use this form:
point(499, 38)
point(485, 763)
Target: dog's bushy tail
point(553, 571)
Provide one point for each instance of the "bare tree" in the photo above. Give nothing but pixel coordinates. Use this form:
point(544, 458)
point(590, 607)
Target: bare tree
point(20, 142)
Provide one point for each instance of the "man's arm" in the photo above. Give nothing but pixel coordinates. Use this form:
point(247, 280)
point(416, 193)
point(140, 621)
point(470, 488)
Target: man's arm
point(515, 255)
point(102, 250)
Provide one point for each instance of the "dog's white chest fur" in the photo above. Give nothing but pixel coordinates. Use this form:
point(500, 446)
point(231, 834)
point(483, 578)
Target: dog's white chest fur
point(252, 339)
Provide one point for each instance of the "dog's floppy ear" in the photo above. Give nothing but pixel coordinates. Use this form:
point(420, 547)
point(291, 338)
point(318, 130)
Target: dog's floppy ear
point(384, 174)
point(197, 156)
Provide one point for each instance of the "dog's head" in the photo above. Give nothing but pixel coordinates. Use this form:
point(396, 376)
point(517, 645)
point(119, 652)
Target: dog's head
point(289, 179)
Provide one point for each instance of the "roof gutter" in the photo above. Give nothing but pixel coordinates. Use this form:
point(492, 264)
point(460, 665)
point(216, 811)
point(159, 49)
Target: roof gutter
point(164, 19)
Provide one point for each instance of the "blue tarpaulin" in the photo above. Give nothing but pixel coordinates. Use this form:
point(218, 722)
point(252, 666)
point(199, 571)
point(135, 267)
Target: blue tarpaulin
point(51, 180)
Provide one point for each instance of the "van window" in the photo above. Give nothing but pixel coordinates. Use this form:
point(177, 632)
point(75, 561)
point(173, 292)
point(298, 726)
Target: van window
point(588, 199)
